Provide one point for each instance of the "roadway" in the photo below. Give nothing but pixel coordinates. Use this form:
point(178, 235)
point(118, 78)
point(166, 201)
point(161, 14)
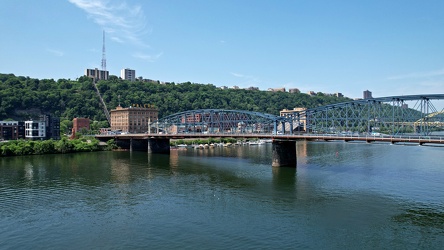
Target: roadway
point(312, 137)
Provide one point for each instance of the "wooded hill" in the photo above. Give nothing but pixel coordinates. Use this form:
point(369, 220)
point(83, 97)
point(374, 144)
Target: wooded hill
point(22, 98)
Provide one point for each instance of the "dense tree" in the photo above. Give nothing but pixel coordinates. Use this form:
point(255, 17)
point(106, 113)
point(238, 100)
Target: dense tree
point(25, 147)
point(24, 98)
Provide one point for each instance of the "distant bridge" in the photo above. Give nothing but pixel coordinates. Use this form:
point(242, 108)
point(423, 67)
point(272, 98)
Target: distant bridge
point(394, 115)
point(397, 119)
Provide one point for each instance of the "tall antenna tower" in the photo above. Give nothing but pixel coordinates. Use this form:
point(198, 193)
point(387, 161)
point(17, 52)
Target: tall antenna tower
point(103, 53)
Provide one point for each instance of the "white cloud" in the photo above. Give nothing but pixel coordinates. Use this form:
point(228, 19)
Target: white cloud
point(146, 57)
point(432, 73)
point(125, 23)
point(237, 75)
point(55, 52)
point(117, 39)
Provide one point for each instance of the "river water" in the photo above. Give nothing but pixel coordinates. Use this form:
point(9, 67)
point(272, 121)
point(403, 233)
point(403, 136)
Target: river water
point(340, 196)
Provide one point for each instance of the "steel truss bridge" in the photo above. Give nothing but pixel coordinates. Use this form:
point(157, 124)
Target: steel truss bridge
point(395, 115)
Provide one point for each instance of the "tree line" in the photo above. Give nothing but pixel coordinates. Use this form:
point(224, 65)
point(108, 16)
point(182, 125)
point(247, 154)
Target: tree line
point(63, 146)
point(23, 98)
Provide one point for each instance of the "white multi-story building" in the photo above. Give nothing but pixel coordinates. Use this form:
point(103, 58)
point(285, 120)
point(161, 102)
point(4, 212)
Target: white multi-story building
point(128, 74)
point(35, 130)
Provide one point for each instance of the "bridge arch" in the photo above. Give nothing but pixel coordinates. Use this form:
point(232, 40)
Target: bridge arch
point(224, 121)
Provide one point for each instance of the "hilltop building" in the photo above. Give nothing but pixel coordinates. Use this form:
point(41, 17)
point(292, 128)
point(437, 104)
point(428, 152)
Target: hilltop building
point(97, 74)
point(128, 74)
point(367, 94)
point(294, 90)
point(133, 119)
point(276, 89)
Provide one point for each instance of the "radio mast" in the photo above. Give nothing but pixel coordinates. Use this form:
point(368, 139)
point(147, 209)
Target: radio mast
point(103, 53)
point(105, 109)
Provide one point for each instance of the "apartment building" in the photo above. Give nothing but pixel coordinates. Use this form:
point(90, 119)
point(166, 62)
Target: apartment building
point(97, 74)
point(35, 130)
point(12, 130)
point(133, 119)
point(128, 74)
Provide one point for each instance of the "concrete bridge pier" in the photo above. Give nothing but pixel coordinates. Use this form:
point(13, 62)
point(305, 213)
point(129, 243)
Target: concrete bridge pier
point(138, 145)
point(123, 144)
point(284, 154)
point(159, 145)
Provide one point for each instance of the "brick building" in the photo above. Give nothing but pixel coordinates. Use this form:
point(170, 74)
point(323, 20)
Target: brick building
point(79, 123)
point(12, 130)
point(133, 119)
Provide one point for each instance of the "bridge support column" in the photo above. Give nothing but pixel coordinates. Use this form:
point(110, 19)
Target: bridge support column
point(123, 144)
point(159, 146)
point(284, 154)
point(138, 145)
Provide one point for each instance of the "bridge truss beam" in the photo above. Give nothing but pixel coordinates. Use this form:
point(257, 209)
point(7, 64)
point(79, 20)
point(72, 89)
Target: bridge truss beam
point(415, 114)
point(214, 121)
point(388, 115)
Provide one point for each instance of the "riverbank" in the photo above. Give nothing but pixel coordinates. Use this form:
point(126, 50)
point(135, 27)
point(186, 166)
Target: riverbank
point(63, 146)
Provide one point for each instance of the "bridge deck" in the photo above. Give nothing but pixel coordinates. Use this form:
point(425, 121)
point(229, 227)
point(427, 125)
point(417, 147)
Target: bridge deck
point(389, 139)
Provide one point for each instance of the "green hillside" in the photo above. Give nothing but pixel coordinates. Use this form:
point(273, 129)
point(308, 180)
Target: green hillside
point(23, 98)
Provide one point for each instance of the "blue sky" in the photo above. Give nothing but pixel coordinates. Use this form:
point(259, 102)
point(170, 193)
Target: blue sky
point(388, 47)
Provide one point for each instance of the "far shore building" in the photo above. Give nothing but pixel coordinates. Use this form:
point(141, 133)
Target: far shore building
point(52, 126)
point(79, 123)
point(97, 74)
point(35, 130)
point(133, 119)
point(12, 130)
point(47, 127)
point(294, 112)
point(128, 74)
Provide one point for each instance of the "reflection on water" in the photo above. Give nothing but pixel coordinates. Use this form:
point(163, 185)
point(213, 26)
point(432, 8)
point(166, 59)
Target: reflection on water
point(342, 195)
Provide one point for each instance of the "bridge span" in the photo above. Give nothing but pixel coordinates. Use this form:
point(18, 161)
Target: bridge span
point(395, 119)
point(284, 146)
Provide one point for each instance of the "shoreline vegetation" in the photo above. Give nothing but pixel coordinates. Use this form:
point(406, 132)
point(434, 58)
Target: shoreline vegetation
point(63, 146)
point(190, 142)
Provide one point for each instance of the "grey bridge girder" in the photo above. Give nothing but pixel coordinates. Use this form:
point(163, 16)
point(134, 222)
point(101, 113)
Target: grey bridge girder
point(221, 121)
point(387, 115)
